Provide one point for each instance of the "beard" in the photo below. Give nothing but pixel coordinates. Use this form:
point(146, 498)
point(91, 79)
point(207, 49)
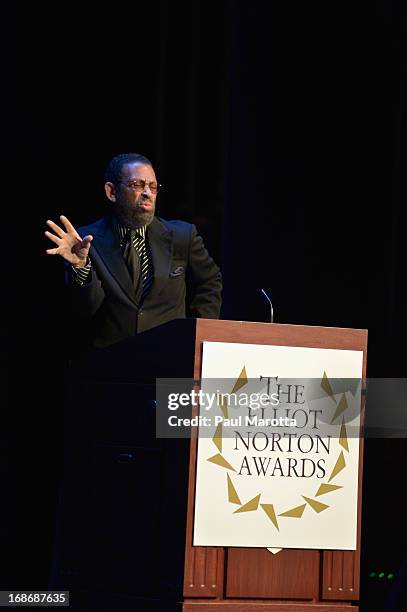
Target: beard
point(131, 215)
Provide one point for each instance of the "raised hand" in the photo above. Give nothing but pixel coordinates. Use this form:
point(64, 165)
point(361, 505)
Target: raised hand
point(70, 245)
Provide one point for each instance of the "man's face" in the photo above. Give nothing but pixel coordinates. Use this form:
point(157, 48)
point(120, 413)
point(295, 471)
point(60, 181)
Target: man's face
point(133, 196)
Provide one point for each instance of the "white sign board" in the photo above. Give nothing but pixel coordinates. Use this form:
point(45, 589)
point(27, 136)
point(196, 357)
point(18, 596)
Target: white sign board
point(277, 463)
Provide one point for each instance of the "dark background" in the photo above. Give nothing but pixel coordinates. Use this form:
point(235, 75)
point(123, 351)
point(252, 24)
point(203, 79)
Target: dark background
point(279, 129)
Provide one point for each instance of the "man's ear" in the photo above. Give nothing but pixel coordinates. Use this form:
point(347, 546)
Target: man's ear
point(110, 192)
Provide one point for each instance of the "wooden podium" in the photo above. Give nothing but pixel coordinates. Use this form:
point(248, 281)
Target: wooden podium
point(127, 501)
point(254, 580)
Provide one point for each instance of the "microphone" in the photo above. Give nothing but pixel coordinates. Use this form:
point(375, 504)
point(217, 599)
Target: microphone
point(264, 292)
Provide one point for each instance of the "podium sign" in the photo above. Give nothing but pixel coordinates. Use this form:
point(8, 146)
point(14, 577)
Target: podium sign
point(278, 447)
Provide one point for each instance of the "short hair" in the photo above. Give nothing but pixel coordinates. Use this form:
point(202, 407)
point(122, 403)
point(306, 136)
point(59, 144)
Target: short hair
point(114, 168)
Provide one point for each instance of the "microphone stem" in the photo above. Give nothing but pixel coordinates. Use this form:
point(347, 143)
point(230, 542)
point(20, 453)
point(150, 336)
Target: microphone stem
point(271, 305)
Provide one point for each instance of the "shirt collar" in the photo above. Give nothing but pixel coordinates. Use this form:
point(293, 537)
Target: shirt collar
point(122, 230)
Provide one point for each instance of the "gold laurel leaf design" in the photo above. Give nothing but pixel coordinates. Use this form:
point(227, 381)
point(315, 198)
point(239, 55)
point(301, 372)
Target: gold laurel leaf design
point(217, 437)
point(315, 505)
point(253, 504)
point(326, 385)
point(241, 381)
point(326, 488)
point(343, 436)
point(223, 405)
point(339, 466)
point(341, 407)
point(269, 510)
point(250, 506)
point(232, 493)
point(296, 512)
point(221, 461)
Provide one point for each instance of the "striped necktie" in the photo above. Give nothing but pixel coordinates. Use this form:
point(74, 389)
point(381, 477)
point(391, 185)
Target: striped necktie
point(146, 263)
point(136, 248)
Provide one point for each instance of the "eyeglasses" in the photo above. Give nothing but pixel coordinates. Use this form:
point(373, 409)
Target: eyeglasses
point(141, 184)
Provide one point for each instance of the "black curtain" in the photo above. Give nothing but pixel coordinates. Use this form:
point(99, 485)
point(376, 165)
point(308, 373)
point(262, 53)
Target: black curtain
point(278, 128)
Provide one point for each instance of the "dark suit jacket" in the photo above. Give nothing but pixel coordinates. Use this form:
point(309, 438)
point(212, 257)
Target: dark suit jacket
point(108, 305)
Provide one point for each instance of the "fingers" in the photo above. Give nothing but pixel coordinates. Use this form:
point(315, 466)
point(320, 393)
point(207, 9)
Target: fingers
point(68, 225)
point(87, 240)
point(59, 231)
point(53, 238)
point(51, 251)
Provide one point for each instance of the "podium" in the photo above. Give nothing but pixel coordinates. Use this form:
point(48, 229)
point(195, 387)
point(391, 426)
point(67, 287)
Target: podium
point(125, 527)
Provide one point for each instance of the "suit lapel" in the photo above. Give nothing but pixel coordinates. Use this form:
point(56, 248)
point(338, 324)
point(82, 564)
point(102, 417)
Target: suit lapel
point(160, 241)
point(107, 244)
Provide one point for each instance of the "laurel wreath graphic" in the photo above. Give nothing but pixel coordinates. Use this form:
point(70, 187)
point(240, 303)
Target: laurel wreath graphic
point(254, 505)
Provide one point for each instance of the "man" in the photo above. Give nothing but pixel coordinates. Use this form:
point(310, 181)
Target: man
point(129, 271)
